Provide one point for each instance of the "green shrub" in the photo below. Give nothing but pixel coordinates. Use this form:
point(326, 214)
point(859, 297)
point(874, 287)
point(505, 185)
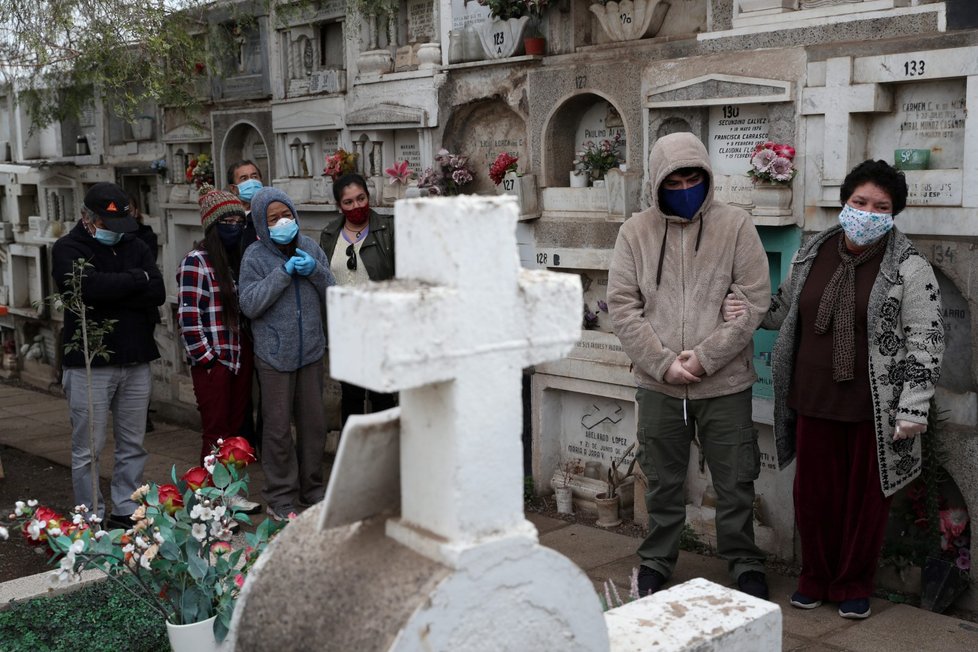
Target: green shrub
point(100, 616)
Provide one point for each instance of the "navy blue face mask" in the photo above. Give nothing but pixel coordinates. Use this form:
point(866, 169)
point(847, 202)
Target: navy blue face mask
point(230, 234)
point(684, 203)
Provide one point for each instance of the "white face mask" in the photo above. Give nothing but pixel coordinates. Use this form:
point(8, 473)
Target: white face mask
point(862, 227)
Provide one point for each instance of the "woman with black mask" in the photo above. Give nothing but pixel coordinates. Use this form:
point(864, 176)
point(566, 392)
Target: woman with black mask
point(211, 323)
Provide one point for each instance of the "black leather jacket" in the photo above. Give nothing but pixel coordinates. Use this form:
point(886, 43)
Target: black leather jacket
point(377, 251)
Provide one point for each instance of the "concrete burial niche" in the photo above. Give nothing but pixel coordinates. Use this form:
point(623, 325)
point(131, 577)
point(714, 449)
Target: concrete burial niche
point(481, 130)
point(244, 138)
point(588, 116)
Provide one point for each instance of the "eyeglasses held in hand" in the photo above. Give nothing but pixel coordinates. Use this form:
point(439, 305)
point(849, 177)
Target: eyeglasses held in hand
point(351, 260)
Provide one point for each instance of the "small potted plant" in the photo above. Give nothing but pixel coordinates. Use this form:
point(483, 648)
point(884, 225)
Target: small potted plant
point(608, 503)
point(448, 175)
point(502, 34)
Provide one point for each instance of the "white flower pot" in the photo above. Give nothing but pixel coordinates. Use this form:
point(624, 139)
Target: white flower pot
point(579, 180)
point(771, 199)
point(501, 38)
point(630, 19)
point(524, 188)
point(195, 637)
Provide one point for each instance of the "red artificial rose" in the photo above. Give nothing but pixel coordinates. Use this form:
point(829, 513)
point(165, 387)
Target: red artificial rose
point(196, 478)
point(170, 498)
point(236, 452)
point(786, 151)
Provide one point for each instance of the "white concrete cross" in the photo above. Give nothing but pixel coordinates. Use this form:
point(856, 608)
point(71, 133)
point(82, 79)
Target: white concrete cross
point(453, 335)
point(838, 100)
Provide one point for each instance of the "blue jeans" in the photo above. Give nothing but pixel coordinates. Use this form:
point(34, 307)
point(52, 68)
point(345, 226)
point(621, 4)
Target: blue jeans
point(125, 392)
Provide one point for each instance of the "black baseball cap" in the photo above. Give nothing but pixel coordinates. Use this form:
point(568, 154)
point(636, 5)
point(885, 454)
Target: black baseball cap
point(111, 203)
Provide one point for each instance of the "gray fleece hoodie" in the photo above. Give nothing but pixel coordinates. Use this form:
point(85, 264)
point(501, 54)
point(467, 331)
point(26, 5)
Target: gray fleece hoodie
point(285, 311)
point(668, 278)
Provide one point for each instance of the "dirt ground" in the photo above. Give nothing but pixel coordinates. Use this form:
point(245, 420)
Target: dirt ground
point(27, 476)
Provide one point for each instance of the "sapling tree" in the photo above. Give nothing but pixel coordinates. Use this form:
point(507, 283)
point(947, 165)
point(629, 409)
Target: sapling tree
point(89, 338)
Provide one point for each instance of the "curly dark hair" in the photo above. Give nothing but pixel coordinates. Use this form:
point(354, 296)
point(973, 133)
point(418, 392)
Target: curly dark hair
point(349, 180)
point(878, 173)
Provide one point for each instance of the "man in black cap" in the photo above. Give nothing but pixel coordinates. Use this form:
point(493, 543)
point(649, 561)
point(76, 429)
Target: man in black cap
point(123, 284)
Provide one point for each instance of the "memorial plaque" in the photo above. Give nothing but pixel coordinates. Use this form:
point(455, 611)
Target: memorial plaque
point(596, 428)
point(735, 130)
point(598, 123)
point(490, 128)
point(733, 189)
point(406, 149)
point(956, 367)
point(928, 115)
point(421, 21)
point(933, 187)
point(331, 142)
point(468, 12)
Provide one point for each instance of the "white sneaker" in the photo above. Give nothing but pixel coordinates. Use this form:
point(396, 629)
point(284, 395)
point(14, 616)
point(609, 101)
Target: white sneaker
point(244, 505)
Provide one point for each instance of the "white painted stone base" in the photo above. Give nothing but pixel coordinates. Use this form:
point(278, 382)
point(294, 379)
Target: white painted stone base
point(696, 615)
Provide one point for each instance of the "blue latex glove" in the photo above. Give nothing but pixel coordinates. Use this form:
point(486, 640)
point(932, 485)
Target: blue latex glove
point(305, 264)
point(290, 265)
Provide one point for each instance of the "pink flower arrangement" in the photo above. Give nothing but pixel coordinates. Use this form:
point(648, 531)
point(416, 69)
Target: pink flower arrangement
point(772, 163)
point(448, 175)
point(505, 162)
point(399, 173)
point(339, 163)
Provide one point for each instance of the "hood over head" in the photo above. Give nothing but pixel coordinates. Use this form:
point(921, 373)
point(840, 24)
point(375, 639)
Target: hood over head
point(259, 210)
point(674, 152)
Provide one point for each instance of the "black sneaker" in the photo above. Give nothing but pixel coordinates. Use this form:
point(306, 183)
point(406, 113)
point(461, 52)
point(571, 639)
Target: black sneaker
point(753, 583)
point(856, 609)
point(649, 581)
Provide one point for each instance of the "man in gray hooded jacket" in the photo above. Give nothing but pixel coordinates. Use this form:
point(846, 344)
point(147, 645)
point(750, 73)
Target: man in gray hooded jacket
point(284, 276)
point(672, 266)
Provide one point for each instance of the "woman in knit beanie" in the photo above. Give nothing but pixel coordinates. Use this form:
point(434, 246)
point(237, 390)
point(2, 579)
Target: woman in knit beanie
point(211, 325)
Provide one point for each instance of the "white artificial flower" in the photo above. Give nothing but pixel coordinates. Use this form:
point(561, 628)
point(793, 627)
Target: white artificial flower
point(19, 507)
point(4, 534)
point(99, 534)
point(219, 512)
point(77, 546)
point(144, 562)
point(77, 519)
point(158, 537)
point(198, 531)
point(32, 503)
point(210, 462)
point(35, 528)
point(54, 532)
point(128, 548)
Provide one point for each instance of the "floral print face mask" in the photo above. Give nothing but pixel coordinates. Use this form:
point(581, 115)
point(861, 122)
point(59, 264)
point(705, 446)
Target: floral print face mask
point(862, 227)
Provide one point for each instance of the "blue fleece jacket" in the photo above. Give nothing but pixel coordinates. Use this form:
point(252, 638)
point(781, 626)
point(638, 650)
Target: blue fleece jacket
point(285, 310)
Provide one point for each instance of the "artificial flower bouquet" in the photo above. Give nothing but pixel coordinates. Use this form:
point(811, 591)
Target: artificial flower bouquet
point(598, 158)
point(177, 556)
point(505, 162)
point(399, 173)
point(200, 170)
point(448, 175)
point(772, 163)
point(339, 163)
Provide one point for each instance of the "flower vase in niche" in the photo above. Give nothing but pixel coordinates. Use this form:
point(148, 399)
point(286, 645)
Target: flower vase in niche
point(772, 169)
point(630, 19)
point(579, 179)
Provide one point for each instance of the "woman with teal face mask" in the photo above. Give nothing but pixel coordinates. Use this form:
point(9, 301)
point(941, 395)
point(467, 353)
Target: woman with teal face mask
point(861, 337)
point(284, 276)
